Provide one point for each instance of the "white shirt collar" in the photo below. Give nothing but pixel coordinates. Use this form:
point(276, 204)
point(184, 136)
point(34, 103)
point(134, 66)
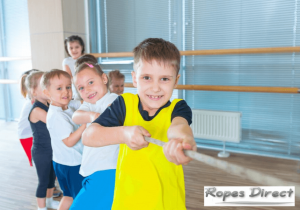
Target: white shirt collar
point(100, 101)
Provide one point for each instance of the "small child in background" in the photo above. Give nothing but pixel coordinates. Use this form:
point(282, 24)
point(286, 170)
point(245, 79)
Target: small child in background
point(116, 82)
point(148, 176)
point(65, 134)
point(98, 164)
point(24, 129)
point(74, 47)
point(41, 148)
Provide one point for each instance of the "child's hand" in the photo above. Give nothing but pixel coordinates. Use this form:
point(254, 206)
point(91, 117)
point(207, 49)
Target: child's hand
point(94, 116)
point(134, 137)
point(173, 150)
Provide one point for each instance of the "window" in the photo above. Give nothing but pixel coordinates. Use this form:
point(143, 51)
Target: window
point(270, 122)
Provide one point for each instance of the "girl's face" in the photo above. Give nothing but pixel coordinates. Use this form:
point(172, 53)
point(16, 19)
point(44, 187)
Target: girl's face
point(37, 93)
point(74, 49)
point(90, 85)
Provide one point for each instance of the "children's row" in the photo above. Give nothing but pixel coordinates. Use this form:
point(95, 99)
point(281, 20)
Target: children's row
point(116, 168)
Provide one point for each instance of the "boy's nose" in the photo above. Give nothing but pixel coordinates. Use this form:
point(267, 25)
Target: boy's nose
point(156, 87)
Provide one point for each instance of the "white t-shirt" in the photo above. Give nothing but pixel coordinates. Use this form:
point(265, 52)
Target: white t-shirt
point(99, 158)
point(24, 129)
point(60, 126)
point(71, 63)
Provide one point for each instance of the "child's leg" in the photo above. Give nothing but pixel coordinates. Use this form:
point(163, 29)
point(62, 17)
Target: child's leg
point(74, 180)
point(43, 164)
point(65, 203)
point(62, 172)
point(50, 203)
point(97, 191)
point(27, 144)
point(51, 183)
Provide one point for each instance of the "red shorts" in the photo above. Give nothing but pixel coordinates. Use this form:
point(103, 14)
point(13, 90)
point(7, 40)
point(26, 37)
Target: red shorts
point(27, 144)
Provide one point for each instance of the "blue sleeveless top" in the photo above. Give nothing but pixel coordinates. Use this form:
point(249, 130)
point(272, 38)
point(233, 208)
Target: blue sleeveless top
point(41, 136)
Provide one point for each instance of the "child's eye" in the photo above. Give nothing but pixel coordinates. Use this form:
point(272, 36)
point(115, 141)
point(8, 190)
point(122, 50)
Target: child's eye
point(69, 87)
point(91, 82)
point(59, 88)
point(146, 77)
point(165, 79)
point(81, 88)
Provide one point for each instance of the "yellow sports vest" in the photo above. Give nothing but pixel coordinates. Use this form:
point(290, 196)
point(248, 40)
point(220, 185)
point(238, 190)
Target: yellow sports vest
point(145, 179)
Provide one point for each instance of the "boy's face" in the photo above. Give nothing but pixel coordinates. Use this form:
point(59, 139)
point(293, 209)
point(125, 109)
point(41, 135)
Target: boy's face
point(117, 86)
point(90, 85)
point(60, 91)
point(74, 49)
point(155, 84)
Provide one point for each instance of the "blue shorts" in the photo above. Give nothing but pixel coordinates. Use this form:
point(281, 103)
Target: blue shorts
point(68, 178)
point(97, 191)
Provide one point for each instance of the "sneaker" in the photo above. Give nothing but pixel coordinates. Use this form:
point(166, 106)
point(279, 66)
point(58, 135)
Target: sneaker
point(53, 204)
point(56, 193)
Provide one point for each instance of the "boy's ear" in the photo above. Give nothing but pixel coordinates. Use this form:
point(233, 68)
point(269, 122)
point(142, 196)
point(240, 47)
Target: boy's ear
point(133, 74)
point(176, 81)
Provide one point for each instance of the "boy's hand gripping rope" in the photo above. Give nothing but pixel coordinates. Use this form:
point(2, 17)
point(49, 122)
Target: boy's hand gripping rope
point(234, 169)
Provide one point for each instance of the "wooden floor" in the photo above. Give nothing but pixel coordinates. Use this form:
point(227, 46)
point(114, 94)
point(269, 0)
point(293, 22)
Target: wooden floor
point(18, 181)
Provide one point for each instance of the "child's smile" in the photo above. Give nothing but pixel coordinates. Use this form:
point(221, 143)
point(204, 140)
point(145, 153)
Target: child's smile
point(60, 91)
point(155, 98)
point(155, 83)
point(90, 85)
point(92, 95)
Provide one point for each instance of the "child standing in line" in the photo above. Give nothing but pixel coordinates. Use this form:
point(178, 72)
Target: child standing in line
point(147, 176)
point(24, 129)
point(41, 149)
point(98, 164)
point(116, 82)
point(65, 134)
point(74, 47)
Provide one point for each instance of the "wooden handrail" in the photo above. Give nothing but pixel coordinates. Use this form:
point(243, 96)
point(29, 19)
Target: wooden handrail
point(234, 88)
point(213, 52)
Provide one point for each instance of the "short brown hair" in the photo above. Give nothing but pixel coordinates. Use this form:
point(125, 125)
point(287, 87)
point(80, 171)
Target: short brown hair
point(115, 74)
point(93, 66)
point(159, 50)
point(45, 80)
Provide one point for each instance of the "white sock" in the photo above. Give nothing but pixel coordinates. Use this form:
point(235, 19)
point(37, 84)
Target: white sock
point(50, 203)
point(45, 208)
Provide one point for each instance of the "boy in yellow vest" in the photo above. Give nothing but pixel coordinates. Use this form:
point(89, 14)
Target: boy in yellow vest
point(148, 176)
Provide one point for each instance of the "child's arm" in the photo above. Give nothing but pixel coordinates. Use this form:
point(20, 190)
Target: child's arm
point(38, 114)
point(180, 137)
point(97, 136)
point(83, 117)
point(74, 137)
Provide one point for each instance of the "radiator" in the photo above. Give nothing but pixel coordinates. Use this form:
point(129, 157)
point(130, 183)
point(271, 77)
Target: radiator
point(217, 125)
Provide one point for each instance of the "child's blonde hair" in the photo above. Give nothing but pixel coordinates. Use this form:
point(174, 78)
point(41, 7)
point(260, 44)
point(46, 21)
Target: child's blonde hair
point(23, 88)
point(45, 80)
point(31, 81)
point(115, 74)
point(93, 66)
